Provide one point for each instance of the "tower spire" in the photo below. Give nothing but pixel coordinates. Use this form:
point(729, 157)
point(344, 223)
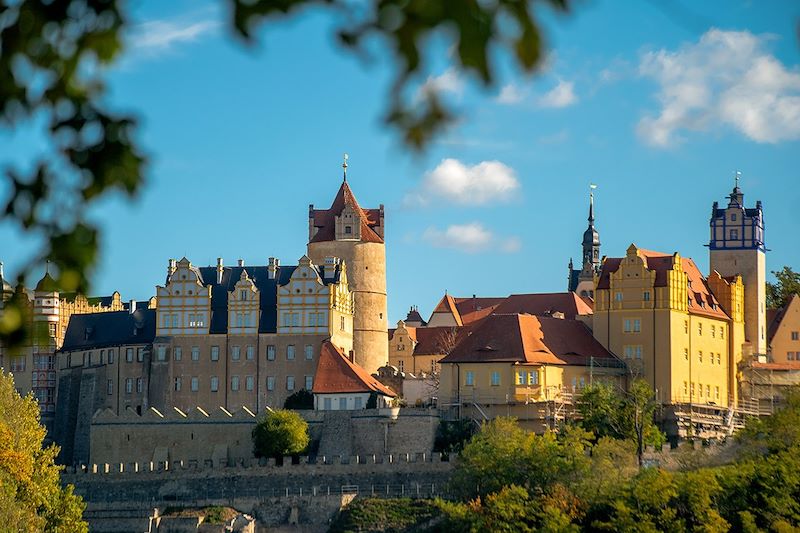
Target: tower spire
point(592, 187)
point(344, 166)
point(736, 177)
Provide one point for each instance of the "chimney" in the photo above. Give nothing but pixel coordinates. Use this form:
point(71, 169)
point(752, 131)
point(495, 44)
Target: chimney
point(220, 270)
point(132, 306)
point(273, 266)
point(352, 357)
point(171, 268)
point(240, 262)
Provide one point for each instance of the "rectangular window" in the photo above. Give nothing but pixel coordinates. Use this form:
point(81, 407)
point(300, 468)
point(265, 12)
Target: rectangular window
point(713, 331)
point(795, 335)
point(178, 384)
point(790, 356)
point(239, 320)
point(214, 383)
point(195, 353)
point(401, 368)
point(309, 352)
point(195, 384)
point(699, 328)
point(129, 355)
point(309, 382)
point(533, 378)
point(290, 352)
point(734, 234)
point(111, 357)
point(495, 379)
point(110, 387)
point(248, 383)
point(637, 325)
point(287, 320)
point(627, 328)
point(235, 353)
point(251, 352)
point(722, 332)
point(102, 356)
point(128, 385)
point(470, 378)
point(341, 323)
point(215, 353)
point(342, 404)
point(520, 378)
point(271, 352)
point(685, 388)
point(139, 385)
point(716, 393)
point(161, 353)
point(295, 320)
point(289, 382)
point(638, 352)
point(700, 356)
point(628, 352)
point(708, 391)
point(646, 296)
point(686, 326)
point(618, 296)
point(235, 383)
point(178, 353)
point(270, 382)
point(175, 321)
point(243, 294)
point(312, 320)
point(686, 354)
point(358, 403)
point(327, 404)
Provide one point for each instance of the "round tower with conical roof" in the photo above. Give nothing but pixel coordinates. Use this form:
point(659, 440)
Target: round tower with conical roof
point(356, 235)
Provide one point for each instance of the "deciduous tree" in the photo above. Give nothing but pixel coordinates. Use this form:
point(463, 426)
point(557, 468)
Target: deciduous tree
point(280, 433)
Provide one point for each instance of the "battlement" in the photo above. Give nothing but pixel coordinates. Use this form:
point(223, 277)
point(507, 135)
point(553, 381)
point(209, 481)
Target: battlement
point(173, 415)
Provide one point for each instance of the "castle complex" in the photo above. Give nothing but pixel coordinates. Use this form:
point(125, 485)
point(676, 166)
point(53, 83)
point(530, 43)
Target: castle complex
point(252, 336)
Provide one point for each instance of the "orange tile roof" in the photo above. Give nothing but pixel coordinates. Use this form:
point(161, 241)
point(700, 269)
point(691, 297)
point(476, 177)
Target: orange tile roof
point(568, 303)
point(701, 300)
point(776, 366)
point(336, 374)
point(529, 339)
point(324, 219)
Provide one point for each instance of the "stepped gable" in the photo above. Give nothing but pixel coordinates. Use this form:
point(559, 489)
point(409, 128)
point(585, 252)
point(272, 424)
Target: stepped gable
point(699, 294)
point(337, 374)
point(325, 219)
point(568, 303)
point(110, 328)
point(529, 339)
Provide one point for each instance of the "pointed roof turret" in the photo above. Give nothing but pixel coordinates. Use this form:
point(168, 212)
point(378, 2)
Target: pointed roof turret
point(47, 284)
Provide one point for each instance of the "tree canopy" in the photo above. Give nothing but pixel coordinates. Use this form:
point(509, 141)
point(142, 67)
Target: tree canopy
point(31, 496)
point(787, 283)
point(279, 433)
point(54, 62)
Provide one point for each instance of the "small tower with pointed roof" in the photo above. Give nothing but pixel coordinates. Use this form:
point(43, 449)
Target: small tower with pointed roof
point(355, 235)
point(582, 280)
point(736, 247)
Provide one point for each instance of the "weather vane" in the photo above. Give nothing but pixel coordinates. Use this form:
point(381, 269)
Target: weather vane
point(736, 176)
point(344, 165)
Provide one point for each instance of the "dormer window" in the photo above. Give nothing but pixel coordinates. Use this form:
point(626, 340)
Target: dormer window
point(348, 230)
point(733, 217)
point(243, 295)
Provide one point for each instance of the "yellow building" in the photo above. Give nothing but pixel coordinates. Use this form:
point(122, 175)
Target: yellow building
point(417, 350)
point(784, 332)
point(681, 332)
point(525, 366)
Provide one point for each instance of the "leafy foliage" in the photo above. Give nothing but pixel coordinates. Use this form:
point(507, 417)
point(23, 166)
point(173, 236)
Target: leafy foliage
point(451, 436)
point(787, 284)
point(53, 60)
point(401, 514)
point(279, 433)
point(31, 497)
point(300, 400)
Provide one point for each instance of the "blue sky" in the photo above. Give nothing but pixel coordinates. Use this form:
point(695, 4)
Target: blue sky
point(658, 106)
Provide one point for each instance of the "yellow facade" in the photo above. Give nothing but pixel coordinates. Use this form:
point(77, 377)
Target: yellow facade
point(654, 311)
point(784, 342)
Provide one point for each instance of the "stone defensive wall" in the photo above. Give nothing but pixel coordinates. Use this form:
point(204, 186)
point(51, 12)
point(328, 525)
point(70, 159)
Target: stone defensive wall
point(303, 491)
point(210, 439)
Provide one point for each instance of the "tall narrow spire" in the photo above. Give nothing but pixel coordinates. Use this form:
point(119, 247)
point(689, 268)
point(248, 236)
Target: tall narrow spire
point(344, 166)
point(592, 187)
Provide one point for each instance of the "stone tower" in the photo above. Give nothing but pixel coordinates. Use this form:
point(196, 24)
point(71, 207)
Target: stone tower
point(356, 235)
point(737, 248)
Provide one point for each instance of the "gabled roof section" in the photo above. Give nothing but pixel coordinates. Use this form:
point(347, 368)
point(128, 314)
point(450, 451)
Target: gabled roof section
point(528, 339)
point(336, 374)
point(701, 299)
point(545, 304)
point(325, 219)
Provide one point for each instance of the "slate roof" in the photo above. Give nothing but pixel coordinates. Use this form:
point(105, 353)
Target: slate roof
point(700, 296)
point(529, 339)
point(414, 316)
point(336, 374)
point(113, 328)
point(324, 219)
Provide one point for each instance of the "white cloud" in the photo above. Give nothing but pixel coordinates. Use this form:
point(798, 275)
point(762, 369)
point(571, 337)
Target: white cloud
point(562, 95)
point(157, 36)
point(448, 81)
point(452, 180)
point(469, 238)
point(725, 79)
point(510, 94)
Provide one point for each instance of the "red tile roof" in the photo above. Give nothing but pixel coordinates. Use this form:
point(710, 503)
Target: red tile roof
point(776, 366)
point(701, 300)
point(324, 219)
point(336, 374)
point(529, 339)
point(568, 303)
